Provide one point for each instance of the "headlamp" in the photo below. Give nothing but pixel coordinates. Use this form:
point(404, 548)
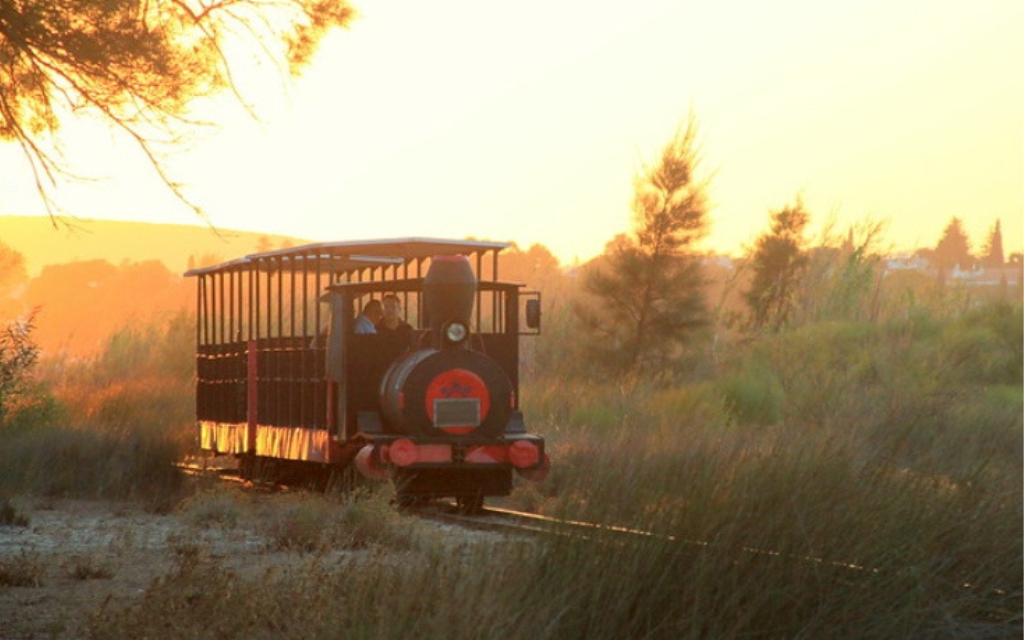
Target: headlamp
point(456, 332)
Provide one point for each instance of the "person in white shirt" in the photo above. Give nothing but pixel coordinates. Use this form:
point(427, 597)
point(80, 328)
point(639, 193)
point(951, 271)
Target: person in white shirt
point(366, 322)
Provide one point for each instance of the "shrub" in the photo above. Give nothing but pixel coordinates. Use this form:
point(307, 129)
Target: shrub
point(18, 355)
point(10, 515)
point(316, 523)
point(753, 395)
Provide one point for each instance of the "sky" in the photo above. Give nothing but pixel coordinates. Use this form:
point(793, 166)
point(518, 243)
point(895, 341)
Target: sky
point(528, 122)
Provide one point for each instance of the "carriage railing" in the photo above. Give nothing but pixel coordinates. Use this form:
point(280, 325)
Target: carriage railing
point(260, 346)
point(291, 388)
point(288, 373)
point(277, 297)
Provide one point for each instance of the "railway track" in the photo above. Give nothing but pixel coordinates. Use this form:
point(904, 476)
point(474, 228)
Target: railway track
point(510, 520)
point(492, 519)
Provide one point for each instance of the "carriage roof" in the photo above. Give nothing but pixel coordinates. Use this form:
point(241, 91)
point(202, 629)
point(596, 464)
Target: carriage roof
point(352, 255)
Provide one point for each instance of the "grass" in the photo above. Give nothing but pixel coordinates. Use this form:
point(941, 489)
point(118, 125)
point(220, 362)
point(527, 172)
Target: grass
point(318, 524)
point(107, 427)
point(88, 568)
point(212, 509)
point(842, 480)
point(559, 588)
point(68, 461)
point(310, 523)
point(11, 515)
point(838, 480)
point(802, 535)
point(22, 570)
point(895, 447)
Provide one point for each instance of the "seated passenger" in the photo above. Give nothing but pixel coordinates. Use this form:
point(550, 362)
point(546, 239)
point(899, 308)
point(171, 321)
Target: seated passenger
point(395, 332)
point(366, 322)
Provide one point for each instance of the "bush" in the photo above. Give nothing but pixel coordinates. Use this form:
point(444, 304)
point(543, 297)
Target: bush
point(753, 395)
point(10, 515)
point(18, 356)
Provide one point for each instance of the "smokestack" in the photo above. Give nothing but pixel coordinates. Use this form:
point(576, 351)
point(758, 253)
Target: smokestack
point(449, 290)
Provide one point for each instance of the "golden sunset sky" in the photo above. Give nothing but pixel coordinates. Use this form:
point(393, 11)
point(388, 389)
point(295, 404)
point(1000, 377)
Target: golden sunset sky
point(528, 121)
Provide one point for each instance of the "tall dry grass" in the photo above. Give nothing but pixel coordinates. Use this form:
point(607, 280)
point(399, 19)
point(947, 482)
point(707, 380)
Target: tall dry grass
point(892, 446)
point(110, 425)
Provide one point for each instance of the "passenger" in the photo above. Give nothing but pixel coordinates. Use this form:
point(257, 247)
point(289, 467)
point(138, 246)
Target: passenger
point(366, 322)
point(395, 331)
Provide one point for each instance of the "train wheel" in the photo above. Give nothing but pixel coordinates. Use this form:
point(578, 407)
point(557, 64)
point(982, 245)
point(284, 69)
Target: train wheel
point(247, 466)
point(470, 504)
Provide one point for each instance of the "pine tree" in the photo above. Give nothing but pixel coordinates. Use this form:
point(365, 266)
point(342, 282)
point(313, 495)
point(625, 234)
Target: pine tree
point(953, 248)
point(778, 260)
point(993, 253)
point(646, 291)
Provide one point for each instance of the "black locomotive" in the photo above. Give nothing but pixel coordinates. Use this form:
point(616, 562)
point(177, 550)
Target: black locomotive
point(284, 377)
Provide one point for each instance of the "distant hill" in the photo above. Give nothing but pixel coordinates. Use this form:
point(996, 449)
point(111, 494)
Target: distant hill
point(117, 242)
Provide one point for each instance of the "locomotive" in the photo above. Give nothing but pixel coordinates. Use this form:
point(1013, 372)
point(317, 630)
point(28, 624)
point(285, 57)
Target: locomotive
point(284, 381)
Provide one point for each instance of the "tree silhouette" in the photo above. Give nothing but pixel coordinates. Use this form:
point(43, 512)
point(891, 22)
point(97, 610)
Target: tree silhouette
point(12, 276)
point(18, 355)
point(531, 266)
point(81, 303)
point(953, 248)
point(138, 64)
point(993, 252)
point(646, 291)
point(777, 262)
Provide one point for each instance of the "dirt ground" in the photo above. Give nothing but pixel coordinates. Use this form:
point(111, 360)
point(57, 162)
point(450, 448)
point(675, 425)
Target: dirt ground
point(74, 557)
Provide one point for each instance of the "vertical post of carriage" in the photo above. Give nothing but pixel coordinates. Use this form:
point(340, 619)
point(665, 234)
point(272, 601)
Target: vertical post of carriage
point(252, 397)
point(201, 364)
point(496, 299)
point(336, 365)
point(252, 361)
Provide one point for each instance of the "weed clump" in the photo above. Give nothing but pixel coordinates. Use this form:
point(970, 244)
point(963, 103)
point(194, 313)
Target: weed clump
point(88, 568)
point(22, 570)
point(212, 509)
point(10, 515)
point(334, 522)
